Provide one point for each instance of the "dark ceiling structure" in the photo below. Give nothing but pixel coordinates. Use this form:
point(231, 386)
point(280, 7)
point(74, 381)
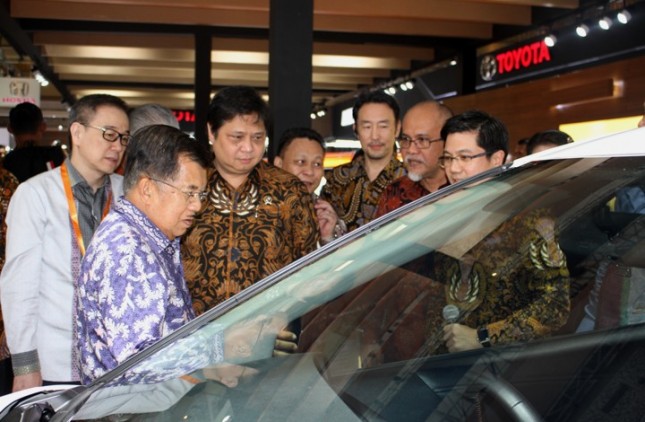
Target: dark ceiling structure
point(144, 50)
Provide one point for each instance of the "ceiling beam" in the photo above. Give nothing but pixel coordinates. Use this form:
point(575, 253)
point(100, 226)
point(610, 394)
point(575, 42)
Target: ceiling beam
point(209, 14)
point(21, 42)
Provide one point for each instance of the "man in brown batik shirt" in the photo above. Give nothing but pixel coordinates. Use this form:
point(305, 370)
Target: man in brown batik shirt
point(354, 189)
point(257, 219)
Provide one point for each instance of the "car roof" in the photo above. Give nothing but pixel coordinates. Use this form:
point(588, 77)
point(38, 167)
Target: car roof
point(623, 144)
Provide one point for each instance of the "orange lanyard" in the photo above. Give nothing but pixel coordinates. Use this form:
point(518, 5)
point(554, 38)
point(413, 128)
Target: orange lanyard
point(73, 213)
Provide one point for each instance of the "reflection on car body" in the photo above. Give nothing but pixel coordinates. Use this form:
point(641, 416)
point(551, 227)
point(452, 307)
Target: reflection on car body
point(370, 308)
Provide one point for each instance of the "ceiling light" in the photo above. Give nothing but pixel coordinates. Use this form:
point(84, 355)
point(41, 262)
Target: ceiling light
point(313, 116)
point(605, 23)
point(391, 90)
point(39, 77)
point(582, 30)
point(321, 113)
point(550, 40)
point(624, 16)
point(453, 62)
point(403, 87)
point(409, 84)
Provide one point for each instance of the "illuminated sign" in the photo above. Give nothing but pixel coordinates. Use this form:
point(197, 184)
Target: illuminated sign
point(184, 116)
point(523, 57)
point(520, 58)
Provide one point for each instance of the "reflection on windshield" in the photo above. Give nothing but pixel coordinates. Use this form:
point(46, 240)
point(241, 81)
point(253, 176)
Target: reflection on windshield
point(507, 253)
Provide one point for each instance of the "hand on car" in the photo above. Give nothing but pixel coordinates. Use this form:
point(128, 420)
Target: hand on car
point(460, 337)
point(285, 343)
point(228, 374)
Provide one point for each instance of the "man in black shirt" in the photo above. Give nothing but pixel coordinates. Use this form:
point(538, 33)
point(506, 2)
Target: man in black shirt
point(28, 159)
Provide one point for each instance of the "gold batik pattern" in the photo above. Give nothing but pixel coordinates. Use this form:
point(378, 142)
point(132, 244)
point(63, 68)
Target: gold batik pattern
point(515, 281)
point(352, 194)
point(243, 235)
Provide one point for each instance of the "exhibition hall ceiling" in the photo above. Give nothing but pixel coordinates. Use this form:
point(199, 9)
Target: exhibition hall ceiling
point(144, 50)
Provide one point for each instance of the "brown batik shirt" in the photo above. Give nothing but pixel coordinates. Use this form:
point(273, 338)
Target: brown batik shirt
point(352, 194)
point(8, 185)
point(243, 235)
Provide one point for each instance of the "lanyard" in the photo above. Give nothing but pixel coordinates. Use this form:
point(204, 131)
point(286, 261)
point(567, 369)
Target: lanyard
point(73, 213)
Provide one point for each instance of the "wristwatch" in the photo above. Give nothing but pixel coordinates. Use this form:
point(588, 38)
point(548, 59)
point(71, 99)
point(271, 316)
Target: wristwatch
point(483, 337)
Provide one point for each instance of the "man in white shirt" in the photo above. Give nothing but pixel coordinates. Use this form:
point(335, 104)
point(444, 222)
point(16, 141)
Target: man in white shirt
point(50, 222)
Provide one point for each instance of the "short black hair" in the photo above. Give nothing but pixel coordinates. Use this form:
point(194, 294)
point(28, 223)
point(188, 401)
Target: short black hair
point(492, 135)
point(377, 97)
point(154, 151)
point(25, 118)
point(554, 137)
point(84, 109)
point(235, 101)
point(299, 132)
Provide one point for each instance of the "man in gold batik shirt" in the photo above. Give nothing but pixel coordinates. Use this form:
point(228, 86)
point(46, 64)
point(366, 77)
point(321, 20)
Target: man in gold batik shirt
point(257, 218)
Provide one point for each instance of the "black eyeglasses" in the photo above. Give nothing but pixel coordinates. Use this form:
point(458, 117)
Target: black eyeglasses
point(111, 135)
point(189, 195)
point(446, 160)
point(422, 142)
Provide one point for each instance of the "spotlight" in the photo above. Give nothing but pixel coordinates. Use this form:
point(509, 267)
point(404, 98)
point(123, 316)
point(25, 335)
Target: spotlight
point(453, 62)
point(403, 87)
point(582, 30)
point(40, 78)
point(624, 16)
point(321, 113)
point(391, 90)
point(605, 23)
point(313, 116)
point(550, 40)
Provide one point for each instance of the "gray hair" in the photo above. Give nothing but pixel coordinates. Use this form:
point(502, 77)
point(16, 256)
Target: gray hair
point(151, 114)
point(154, 151)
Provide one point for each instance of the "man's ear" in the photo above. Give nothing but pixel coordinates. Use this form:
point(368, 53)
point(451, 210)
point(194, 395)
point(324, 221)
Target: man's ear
point(277, 161)
point(144, 188)
point(497, 159)
point(76, 130)
point(211, 136)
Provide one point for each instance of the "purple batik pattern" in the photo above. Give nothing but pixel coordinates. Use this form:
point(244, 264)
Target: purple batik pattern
point(131, 291)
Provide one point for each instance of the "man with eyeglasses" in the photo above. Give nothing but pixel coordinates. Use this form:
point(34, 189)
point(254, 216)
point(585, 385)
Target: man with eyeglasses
point(50, 221)
point(474, 142)
point(497, 307)
point(136, 251)
point(421, 145)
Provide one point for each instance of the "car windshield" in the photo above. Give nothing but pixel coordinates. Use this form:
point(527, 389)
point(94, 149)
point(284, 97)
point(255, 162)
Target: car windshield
point(370, 311)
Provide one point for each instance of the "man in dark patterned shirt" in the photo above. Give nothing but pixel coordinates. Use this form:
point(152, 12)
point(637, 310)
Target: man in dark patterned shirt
point(421, 145)
point(8, 184)
point(257, 219)
point(354, 189)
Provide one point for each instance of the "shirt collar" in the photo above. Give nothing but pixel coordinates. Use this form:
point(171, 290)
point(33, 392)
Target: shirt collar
point(253, 178)
point(139, 219)
point(358, 165)
point(76, 178)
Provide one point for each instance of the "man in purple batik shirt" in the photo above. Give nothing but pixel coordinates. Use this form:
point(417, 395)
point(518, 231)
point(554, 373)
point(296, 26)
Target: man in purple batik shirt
point(131, 290)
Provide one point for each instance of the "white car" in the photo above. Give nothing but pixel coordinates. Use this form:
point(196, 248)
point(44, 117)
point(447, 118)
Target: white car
point(370, 310)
